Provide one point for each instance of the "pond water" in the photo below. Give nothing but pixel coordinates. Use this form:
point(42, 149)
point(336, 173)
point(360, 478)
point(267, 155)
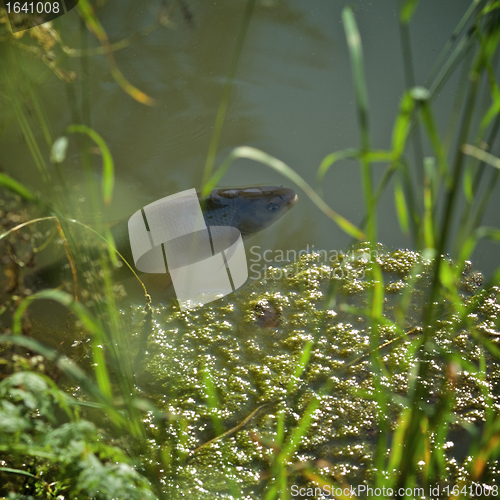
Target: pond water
point(292, 97)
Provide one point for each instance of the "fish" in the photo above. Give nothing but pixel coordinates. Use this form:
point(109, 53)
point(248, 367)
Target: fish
point(249, 209)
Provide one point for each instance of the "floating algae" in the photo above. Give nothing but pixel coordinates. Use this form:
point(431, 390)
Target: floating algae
point(226, 373)
point(212, 367)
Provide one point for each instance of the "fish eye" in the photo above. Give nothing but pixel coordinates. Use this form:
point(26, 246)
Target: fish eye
point(281, 197)
point(273, 206)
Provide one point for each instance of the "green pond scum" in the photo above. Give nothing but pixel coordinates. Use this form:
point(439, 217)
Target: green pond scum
point(226, 386)
point(249, 345)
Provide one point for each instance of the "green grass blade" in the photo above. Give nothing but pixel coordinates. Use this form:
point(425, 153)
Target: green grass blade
point(16, 471)
point(299, 431)
point(108, 178)
point(64, 299)
point(407, 10)
point(86, 11)
point(289, 173)
point(356, 55)
point(16, 187)
point(29, 136)
point(350, 153)
point(87, 320)
point(329, 160)
point(212, 399)
point(64, 364)
point(482, 155)
point(453, 37)
point(402, 125)
point(401, 206)
point(468, 184)
point(428, 218)
point(100, 367)
point(226, 94)
point(280, 471)
point(437, 143)
point(397, 448)
point(301, 366)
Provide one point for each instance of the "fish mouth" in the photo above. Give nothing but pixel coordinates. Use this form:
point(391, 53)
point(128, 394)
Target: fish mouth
point(292, 202)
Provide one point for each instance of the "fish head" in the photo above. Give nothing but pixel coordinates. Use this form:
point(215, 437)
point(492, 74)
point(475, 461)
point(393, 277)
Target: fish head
point(255, 208)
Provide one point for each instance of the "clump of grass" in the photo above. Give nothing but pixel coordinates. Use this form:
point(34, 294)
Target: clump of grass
point(426, 195)
point(62, 453)
point(107, 380)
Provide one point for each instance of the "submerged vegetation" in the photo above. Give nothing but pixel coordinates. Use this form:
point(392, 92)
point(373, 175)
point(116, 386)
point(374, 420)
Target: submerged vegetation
point(380, 369)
